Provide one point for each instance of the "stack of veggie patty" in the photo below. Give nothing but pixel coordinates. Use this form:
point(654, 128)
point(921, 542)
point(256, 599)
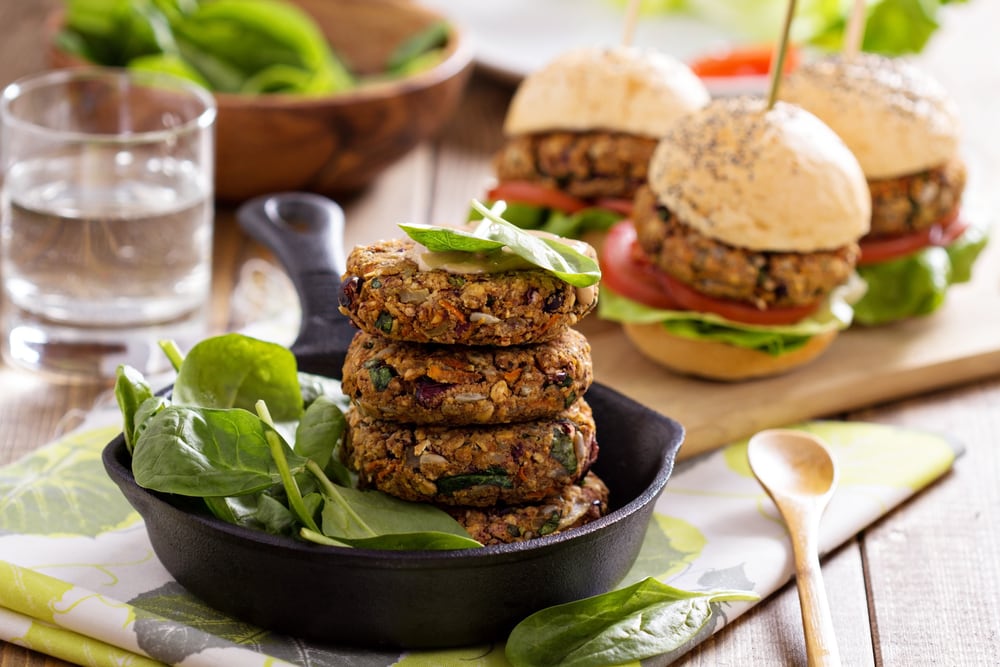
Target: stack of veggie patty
point(466, 392)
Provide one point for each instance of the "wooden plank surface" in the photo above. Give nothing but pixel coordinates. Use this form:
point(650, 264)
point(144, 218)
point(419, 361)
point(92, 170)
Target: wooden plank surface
point(920, 587)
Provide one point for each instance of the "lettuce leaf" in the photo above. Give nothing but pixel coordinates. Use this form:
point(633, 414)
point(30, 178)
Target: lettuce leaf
point(893, 27)
point(568, 225)
point(915, 285)
point(834, 314)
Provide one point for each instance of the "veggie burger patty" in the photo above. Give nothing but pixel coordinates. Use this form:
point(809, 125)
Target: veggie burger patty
point(385, 293)
point(582, 164)
point(713, 267)
point(475, 466)
point(457, 384)
point(575, 505)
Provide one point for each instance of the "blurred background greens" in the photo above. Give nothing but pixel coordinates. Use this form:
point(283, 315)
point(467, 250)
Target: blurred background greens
point(229, 46)
point(893, 27)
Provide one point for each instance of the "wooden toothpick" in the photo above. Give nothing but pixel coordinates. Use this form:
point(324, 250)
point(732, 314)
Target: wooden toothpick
point(855, 29)
point(781, 50)
point(631, 17)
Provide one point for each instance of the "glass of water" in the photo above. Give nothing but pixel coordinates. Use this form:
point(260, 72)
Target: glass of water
point(107, 216)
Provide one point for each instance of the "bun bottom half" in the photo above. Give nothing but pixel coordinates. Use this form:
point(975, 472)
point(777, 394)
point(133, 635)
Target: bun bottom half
point(719, 361)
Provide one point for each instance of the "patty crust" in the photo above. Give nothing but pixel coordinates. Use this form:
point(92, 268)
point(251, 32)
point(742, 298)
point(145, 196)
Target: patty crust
point(385, 293)
point(914, 202)
point(583, 164)
point(474, 466)
point(575, 505)
point(761, 278)
point(426, 383)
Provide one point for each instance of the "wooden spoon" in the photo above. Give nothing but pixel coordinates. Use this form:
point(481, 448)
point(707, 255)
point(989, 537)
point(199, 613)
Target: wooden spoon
point(798, 473)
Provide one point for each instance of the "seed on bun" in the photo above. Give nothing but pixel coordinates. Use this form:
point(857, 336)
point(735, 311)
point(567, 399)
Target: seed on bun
point(894, 117)
point(748, 229)
point(620, 89)
point(775, 179)
point(580, 132)
point(905, 130)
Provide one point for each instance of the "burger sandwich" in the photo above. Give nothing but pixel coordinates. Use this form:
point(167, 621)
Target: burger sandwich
point(904, 129)
point(739, 258)
point(580, 132)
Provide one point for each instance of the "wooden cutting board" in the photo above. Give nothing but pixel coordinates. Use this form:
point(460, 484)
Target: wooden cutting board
point(864, 366)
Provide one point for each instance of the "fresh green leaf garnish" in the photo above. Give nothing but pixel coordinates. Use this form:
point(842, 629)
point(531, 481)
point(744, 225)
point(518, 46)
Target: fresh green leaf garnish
point(495, 234)
point(206, 452)
point(834, 314)
point(568, 225)
point(352, 515)
point(207, 444)
point(131, 391)
point(893, 27)
point(409, 56)
point(916, 284)
point(235, 371)
point(641, 621)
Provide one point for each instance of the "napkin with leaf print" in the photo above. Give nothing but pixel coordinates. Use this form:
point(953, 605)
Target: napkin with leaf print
point(80, 581)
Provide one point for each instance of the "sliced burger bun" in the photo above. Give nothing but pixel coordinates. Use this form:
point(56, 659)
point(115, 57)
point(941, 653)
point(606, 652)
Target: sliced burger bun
point(771, 179)
point(616, 89)
point(896, 118)
point(714, 360)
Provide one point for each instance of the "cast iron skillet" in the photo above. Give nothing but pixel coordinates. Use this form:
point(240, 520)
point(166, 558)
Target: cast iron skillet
point(416, 599)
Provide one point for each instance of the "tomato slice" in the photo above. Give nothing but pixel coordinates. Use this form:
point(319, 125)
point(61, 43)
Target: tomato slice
point(752, 60)
point(526, 192)
point(942, 233)
point(737, 311)
point(625, 272)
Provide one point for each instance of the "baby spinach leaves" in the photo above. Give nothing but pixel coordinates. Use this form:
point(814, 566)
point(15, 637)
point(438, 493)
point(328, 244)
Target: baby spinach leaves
point(216, 439)
point(236, 371)
point(644, 620)
point(494, 234)
point(206, 452)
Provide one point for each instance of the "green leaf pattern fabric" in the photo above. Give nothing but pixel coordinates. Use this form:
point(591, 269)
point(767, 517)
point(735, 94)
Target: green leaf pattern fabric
point(79, 579)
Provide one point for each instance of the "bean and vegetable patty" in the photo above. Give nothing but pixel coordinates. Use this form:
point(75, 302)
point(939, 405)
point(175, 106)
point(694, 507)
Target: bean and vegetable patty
point(457, 384)
point(718, 269)
point(386, 294)
point(575, 505)
point(914, 202)
point(474, 466)
point(582, 164)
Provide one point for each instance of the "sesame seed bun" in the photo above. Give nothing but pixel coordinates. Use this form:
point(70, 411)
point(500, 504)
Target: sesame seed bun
point(896, 118)
point(776, 179)
point(713, 360)
point(620, 89)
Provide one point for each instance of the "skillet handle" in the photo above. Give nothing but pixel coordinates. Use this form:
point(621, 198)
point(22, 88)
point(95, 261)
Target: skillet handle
point(306, 233)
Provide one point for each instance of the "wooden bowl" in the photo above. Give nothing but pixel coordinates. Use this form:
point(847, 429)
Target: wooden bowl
point(339, 143)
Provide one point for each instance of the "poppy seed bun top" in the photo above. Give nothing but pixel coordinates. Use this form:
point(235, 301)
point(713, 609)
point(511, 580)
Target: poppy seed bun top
point(761, 179)
point(896, 118)
point(620, 89)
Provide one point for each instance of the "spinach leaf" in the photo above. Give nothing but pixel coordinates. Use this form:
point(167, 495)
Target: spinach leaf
point(236, 371)
point(237, 510)
point(494, 233)
point(147, 410)
point(426, 541)
point(319, 436)
point(405, 58)
point(313, 386)
point(278, 451)
point(206, 452)
point(273, 516)
point(131, 391)
point(644, 620)
point(350, 515)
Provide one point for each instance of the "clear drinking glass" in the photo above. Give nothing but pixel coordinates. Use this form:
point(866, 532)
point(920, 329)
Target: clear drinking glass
point(107, 216)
